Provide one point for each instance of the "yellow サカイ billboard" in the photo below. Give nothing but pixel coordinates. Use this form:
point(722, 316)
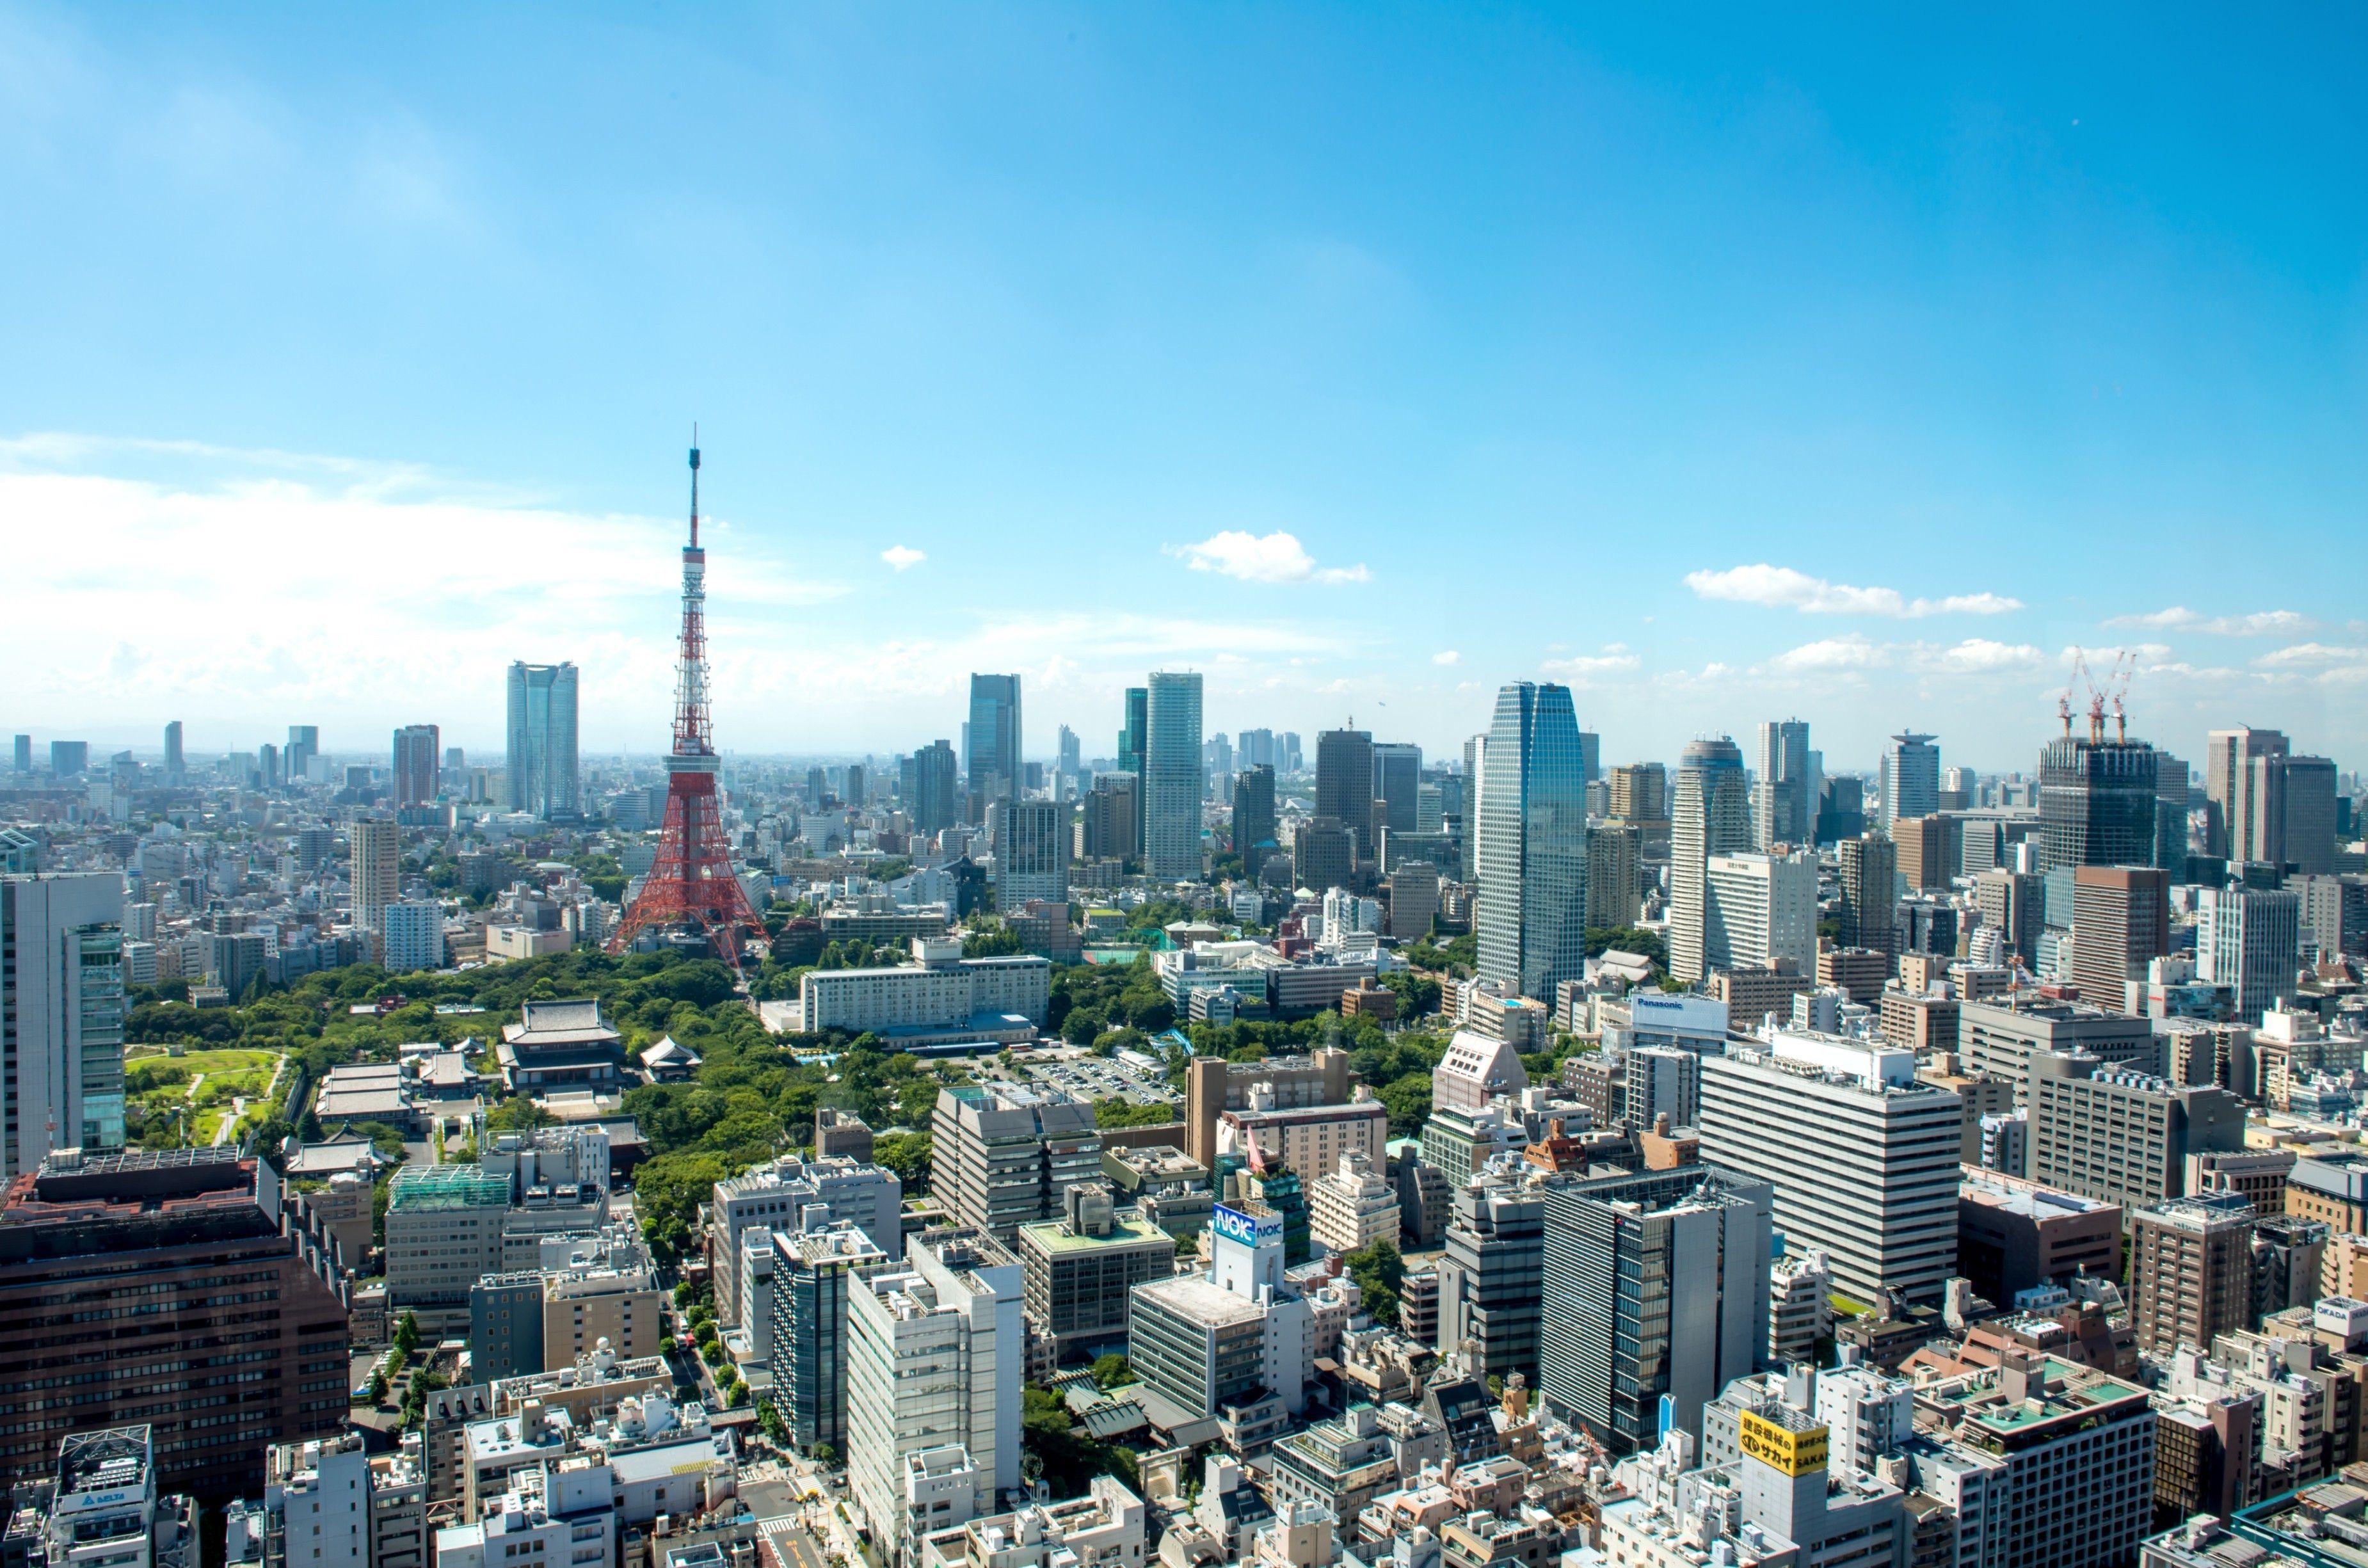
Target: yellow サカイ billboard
point(1795, 1453)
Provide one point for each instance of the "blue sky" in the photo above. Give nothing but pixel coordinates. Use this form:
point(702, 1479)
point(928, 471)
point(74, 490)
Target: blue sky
point(1726, 365)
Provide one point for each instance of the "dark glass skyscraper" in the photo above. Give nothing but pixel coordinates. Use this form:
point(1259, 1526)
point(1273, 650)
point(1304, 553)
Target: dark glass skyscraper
point(1652, 1283)
point(1397, 775)
point(1344, 783)
point(1534, 842)
point(1254, 817)
point(2097, 803)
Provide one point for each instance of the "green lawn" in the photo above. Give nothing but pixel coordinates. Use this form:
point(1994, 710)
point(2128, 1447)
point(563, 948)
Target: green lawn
point(163, 1085)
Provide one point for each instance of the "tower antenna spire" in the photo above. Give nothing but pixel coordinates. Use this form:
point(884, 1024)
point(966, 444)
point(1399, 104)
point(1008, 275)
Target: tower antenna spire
point(692, 890)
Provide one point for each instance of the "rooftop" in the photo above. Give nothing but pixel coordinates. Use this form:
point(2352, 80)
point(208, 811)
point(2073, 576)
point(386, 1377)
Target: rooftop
point(1126, 1230)
point(418, 1188)
point(1200, 1299)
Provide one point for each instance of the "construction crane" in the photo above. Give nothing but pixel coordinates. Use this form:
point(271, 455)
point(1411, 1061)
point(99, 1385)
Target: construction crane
point(2117, 684)
point(2079, 676)
point(2126, 665)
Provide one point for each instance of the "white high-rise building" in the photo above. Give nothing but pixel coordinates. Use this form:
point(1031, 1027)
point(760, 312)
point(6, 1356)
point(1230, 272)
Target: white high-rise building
point(1713, 817)
point(413, 936)
point(1761, 910)
point(1911, 778)
point(375, 847)
point(62, 1015)
point(1862, 1156)
point(1533, 860)
point(1173, 779)
point(936, 1352)
point(539, 776)
point(2248, 939)
point(1351, 1206)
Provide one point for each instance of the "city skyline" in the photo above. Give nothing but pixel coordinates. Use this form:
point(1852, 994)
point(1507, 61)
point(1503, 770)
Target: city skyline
point(1860, 384)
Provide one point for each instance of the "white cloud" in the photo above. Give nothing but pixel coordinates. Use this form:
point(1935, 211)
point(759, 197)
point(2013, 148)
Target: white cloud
point(1615, 659)
point(1446, 656)
point(2260, 623)
point(1781, 587)
point(1980, 655)
point(228, 588)
point(2301, 655)
point(1831, 653)
point(902, 557)
point(1277, 557)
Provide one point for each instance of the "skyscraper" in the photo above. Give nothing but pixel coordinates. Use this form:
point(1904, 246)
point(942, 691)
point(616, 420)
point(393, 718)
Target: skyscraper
point(24, 754)
point(1131, 738)
point(1172, 780)
point(304, 746)
point(1911, 777)
point(1398, 778)
point(2121, 920)
point(1761, 911)
point(1131, 733)
point(62, 1015)
point(2097, 802)
point(1652, 1284)
point(374, 846)
point(1785, 802)
point(1254, 829)
point(540, 777)
point(1870, 891)
point(2248, 939)
point(1640, 795)
point(1862, 1156)
point(69, 760)
point(1344, 783)
point(1031, 852)
point(935, 1356)
point(417, 750)
point(935, 790)
point(1111, 818)
point(2229, 756)
point(1474, 761)
point(1533, 912)
point(1071, 758)
point(1713, 817)
point(2310, 815)
point(175, 765)
point(2170, 816)
point(992, 768)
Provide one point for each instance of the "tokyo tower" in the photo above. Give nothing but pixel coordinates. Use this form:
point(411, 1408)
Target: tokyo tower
point(691, 884)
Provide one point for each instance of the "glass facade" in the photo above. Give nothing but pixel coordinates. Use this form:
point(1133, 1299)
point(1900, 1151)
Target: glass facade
point(541, 776)
point(1713, 817)
point(99, 955)
point(1173, 782)
point(1534, 842)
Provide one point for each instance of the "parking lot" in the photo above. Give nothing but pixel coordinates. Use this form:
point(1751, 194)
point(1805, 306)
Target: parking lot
point(1091, 1077)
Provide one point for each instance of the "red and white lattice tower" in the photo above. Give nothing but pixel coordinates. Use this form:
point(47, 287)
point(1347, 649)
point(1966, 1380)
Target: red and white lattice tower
point(691, 883)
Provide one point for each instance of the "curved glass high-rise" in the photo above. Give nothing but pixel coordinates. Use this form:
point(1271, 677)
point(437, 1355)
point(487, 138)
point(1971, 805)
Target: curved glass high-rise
point(1173, 779)
point(541, 776)
point(1713, 817)
point(1534, 842)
